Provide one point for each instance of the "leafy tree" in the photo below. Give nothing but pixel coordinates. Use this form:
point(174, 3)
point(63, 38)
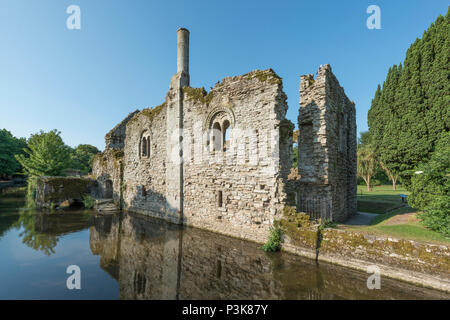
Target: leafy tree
point(364, 139)
point(295, 157)
point(295, 135)
point(82, 157)
point(379, 176)
point(393, 176)
point(410, 111)
point(430, 188)
point(9, 147)
point(366, 165)
point(46, 154)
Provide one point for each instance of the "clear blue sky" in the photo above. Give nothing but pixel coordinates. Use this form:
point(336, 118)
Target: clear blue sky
point(83, 82)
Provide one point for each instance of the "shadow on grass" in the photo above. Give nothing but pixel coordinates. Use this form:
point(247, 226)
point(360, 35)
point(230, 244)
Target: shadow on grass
point(386, 216)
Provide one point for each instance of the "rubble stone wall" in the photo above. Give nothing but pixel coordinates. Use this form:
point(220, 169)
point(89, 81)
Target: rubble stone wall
point(327, 143)
point(144, 175)
point(222, 160)
point(237, 189)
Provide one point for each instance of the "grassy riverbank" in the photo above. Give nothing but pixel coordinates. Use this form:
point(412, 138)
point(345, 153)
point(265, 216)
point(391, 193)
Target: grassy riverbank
point(403, 224)
point(395, 218)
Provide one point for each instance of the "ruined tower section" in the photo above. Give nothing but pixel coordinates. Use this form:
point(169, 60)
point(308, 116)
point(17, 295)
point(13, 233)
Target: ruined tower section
point(107, 166)
point(174, 127)
point(327, 146)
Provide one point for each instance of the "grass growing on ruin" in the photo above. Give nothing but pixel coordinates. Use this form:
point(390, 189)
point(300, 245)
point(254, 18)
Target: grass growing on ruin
point(401, 223)
point(381, 199)
point(198, 94)
point(273, 244)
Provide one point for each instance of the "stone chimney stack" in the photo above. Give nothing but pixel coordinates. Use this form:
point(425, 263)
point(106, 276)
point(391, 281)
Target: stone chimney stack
point(183, 50)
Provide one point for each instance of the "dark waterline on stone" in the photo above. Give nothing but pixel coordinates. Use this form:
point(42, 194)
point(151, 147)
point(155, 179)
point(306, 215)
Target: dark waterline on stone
point(128, 256)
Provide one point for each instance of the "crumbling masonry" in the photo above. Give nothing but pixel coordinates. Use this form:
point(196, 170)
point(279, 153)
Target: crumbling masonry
point(222, 160)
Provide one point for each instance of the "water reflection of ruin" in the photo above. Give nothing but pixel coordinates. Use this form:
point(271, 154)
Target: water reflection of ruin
point(155, 260)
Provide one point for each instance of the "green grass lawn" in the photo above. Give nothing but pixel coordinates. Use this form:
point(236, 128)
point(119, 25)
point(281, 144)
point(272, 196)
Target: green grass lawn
point(381, 199)
point(411, 230)
point(387, 203)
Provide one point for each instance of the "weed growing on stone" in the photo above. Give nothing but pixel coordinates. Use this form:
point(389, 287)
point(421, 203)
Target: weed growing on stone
point(88, 201)
point(273, 244)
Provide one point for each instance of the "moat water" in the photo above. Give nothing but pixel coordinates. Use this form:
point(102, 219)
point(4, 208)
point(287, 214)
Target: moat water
point(127, 256)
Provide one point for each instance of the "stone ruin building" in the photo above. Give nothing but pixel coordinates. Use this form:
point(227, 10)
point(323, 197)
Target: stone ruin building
point(222, 160)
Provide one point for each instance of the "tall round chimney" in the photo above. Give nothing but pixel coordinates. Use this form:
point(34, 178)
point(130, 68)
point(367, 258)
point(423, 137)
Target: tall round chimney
point(183, 50)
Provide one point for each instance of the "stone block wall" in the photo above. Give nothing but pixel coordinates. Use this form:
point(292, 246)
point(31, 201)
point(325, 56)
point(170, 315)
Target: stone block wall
point(144, 176)
point(53, 191)
point(107, 170)
point(327, 143)
point(221, 160)
point(115, 138)
point(239, 188)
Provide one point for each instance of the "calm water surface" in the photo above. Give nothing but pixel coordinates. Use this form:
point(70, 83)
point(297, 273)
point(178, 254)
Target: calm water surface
point(125, 256)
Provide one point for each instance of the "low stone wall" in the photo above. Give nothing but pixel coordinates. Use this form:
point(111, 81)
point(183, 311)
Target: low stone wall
point(52, 191)
point(424, 264)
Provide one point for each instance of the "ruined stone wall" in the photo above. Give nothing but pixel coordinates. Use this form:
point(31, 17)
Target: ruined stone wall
point(327, 143)
point(106, 169)
point(238, 189)
point(144, 177)
point(52, 191)
point(115, 138)
point(107, 166)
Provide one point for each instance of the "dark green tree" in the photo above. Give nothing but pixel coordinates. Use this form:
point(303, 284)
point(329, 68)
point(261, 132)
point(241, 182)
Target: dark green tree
point(82, 157)
point(295, 157)
point(9, 147)
point(46, 154)
point(411, 109)
point(430, 188)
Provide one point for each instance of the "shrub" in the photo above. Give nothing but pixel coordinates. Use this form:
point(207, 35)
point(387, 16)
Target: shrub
point(430, 188)
point(273, 244)
point(436, 215)
point(88, 201)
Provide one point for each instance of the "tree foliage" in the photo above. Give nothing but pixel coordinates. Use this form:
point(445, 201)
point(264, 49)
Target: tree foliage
point(295, 157)
point(411, 109)
point(46, 154)
point(430, 188)
point(9, 147)
point(82, 157)
point(366, 164)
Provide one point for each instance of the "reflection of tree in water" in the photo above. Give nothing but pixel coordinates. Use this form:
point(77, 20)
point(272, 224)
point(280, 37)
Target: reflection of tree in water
point(42, 231)
point(9, 202)
point(32, 237)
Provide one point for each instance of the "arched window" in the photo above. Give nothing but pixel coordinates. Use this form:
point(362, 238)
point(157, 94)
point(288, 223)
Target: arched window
point(216, 137)
point(226, 135)
point(144, 147)
point(220, 123)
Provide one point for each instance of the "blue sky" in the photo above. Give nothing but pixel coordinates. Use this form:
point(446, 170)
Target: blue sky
point(83, 82)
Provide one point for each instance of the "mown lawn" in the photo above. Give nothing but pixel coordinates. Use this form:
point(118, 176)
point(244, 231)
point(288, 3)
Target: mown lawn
point(411, 228)
point(381, 199)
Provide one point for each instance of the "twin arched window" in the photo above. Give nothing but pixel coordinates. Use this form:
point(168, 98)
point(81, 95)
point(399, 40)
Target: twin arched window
point(220, 136)
point(145, 147)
